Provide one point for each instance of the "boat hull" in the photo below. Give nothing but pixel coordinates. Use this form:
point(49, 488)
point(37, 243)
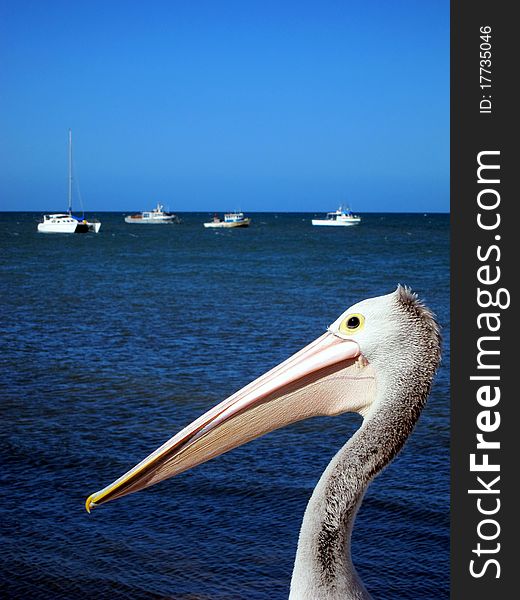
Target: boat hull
point(94, 227)
point(57, 227)
point(331, 223)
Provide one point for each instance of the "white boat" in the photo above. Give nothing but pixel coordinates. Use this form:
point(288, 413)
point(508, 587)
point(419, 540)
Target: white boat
point(67, 222)
point(342, 217)
point(235, 219)
point(154, 217)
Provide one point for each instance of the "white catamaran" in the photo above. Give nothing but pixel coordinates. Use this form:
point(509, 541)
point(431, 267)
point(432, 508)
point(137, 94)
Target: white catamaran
point(67, 222)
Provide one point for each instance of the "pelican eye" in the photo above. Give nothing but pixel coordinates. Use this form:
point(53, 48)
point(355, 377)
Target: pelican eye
point(352, 324)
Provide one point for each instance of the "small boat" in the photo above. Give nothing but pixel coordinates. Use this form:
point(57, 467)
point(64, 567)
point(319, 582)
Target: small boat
point(156, 216)
point(67, 222)
point(343, 217)
point(235, 219)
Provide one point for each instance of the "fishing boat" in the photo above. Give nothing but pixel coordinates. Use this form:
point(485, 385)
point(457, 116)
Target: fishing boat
point(156, 216)
point(235, 219)
point(343, 217)
point(67, 222)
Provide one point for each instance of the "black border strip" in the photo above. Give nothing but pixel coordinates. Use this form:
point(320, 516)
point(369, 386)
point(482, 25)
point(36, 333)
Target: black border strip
point(472, 132)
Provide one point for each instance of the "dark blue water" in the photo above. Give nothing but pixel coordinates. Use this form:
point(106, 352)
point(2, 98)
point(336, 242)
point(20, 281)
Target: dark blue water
point(110, 343)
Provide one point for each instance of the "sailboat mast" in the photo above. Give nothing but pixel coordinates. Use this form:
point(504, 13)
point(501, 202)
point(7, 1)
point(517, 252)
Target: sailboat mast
point(70, 171)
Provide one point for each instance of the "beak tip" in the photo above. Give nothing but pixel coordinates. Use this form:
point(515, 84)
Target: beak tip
point(89, 504)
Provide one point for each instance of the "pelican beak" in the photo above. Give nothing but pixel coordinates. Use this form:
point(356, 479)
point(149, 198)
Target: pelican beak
point(327, 377)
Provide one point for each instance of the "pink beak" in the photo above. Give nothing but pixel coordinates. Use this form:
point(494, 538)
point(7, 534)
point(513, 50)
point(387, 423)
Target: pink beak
point(324, 378)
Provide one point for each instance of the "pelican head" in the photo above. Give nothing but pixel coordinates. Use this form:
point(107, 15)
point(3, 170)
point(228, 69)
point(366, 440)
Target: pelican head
point(376, 345)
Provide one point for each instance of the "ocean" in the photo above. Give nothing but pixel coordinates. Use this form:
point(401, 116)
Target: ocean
point(111, 343)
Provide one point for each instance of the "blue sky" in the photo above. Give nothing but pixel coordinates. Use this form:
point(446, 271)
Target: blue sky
point(216, 105)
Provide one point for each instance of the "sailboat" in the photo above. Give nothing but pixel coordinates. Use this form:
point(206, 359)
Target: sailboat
point(67, 222)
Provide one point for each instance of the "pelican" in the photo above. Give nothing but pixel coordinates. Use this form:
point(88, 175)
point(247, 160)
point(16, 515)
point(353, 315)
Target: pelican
point(377, 359)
